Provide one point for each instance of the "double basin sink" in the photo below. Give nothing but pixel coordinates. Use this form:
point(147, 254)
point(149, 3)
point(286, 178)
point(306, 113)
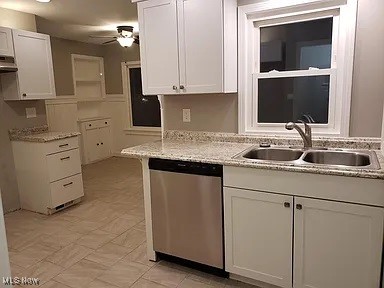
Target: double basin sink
point(358, 159)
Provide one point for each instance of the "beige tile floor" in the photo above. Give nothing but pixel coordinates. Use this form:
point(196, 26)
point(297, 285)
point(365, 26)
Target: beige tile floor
point(98, 243)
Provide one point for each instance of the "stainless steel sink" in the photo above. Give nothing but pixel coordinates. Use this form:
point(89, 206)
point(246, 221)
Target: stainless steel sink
point(356, 159)
point(273, 154)
point(353, 159)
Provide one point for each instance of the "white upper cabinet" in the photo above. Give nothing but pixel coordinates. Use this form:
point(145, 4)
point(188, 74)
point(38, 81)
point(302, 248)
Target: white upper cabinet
point(337, 244)
point(201, 46)
point(159, 47)
point(34, 61)
point(188, 46)
point(34, 78)
point(6, 43)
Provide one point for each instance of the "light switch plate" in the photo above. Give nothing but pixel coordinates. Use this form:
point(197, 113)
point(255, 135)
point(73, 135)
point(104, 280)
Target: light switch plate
point(186, 115)
point(30, 112)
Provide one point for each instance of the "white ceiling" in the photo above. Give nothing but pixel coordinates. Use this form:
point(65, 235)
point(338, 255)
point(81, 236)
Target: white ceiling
point(77, 19)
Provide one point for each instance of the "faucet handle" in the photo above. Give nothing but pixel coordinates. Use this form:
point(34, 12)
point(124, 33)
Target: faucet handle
point(290, 126)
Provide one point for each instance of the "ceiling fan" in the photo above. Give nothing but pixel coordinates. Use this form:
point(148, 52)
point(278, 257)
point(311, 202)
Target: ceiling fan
point(126, 37)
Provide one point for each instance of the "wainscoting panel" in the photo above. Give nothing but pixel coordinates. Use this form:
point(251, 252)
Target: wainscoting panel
point(62, 114)
point(116, 107)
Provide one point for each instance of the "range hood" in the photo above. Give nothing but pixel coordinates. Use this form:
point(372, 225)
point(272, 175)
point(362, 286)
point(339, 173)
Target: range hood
point(7, 64)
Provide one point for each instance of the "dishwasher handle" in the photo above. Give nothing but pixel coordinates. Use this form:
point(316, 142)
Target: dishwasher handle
point(186, 167)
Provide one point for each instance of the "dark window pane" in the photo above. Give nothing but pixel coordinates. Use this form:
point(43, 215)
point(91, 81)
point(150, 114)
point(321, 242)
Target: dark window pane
point(145, 109)
point(281, 100)
point(296, 46)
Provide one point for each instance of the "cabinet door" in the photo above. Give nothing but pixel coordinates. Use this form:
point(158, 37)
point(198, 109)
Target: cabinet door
point(337, 245)
point(159, 47)
point(92, 145)
point(105, 142)
point(6, 42)
point(201, 45)
point(258, 235)
point(34, 60)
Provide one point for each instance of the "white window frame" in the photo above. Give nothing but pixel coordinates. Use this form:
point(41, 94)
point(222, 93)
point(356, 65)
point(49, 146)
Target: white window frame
point(276, 12)
point(136, 130)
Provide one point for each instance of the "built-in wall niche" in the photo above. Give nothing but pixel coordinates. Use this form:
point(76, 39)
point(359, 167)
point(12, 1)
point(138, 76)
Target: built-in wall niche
point(88, 78)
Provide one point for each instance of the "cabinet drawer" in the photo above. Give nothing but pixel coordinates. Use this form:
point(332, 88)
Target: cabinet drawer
point(66, 190)
point(97, 124)
point(64, 164)
point(62, 145)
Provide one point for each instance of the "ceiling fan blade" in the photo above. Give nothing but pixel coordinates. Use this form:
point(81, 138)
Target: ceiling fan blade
point(102, 36)
point(109, 42)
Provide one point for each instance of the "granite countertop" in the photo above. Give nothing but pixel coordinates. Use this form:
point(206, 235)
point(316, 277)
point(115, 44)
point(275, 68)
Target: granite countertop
point(222, 152)
point(39, 134)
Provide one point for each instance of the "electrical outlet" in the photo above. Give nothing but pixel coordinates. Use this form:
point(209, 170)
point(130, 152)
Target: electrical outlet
point(186, 115)
point(30, 112)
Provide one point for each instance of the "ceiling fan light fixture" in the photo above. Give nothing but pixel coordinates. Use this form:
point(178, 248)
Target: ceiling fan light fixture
point(125, 33)
point(125, 41)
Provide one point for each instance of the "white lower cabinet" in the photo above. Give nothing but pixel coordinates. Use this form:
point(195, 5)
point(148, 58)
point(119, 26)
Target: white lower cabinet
point(337, 244)
point(92, 145)
point(332, 244)
point(96, 139)
point(258, 235)
point(48, 174)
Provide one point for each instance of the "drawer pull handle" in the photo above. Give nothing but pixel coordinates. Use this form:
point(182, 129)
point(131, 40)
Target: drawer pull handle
point(97, 144)
point(68, 184)
point(90, 125)
point(287, 205)
point(299, 206)
point(65, 158)
point(106, 122)
point(63, 145)
point(102, 143)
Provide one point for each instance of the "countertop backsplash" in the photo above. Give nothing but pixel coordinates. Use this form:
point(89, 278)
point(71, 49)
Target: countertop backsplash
point(279, 140)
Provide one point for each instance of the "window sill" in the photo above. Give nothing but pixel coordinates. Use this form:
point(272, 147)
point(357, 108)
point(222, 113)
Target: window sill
point(285, 133)
point(143, 131)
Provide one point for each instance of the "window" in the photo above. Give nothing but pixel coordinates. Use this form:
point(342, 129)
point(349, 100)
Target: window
point(144, 111)
point(296, 62)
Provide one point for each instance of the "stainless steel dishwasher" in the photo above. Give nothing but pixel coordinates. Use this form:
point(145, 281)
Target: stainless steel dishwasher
point(187, 210)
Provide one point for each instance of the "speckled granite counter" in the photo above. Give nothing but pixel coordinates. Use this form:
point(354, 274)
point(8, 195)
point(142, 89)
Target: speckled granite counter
point(221, 152)
point(39, 134)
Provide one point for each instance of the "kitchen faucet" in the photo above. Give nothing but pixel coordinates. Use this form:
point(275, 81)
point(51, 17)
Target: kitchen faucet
point(307, 135)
